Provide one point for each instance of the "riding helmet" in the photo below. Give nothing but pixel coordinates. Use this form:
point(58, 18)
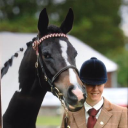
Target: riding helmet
point(93, 72)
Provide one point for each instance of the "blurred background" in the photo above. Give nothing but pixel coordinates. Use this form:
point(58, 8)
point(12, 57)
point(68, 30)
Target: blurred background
point(101, 26)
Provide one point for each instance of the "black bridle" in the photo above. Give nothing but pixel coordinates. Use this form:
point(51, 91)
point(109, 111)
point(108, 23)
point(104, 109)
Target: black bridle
point(54, 89)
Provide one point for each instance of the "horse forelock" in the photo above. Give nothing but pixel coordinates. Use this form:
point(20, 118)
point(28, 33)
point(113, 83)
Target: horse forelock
point(54, 29)
point(50, 29)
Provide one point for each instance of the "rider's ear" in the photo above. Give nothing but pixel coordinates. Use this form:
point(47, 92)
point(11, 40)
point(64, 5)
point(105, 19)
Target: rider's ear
point(66, 26)
point(43, 21)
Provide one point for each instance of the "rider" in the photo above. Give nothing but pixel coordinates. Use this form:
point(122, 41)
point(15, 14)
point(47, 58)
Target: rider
point(97, 111)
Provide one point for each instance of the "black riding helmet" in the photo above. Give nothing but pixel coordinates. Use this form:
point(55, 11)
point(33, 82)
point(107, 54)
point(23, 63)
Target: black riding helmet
point(93, 72)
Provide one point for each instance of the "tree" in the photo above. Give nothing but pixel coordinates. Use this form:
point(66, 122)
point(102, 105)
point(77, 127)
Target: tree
point(96, 23)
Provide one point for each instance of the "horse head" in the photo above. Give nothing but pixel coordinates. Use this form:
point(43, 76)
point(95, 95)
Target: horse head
point(57, 58)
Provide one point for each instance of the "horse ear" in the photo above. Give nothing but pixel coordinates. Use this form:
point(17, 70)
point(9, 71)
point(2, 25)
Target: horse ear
point(66, 26)
point(43, 21)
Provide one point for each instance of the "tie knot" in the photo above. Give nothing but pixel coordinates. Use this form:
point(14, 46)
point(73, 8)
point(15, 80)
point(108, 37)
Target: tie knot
point(92, 112)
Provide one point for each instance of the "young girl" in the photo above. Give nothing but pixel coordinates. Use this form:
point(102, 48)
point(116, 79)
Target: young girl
point(97, 112)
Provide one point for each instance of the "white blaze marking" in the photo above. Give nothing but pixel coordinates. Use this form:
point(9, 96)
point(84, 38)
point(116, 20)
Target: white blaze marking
point(72, 75)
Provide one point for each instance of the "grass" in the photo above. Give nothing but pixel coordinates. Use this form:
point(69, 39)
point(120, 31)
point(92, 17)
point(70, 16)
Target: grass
point(48, 120)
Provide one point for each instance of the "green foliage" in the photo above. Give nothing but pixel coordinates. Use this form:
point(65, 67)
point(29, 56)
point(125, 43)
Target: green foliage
point(19, 25)
point(96, 23)
point(13, 9)
point(122, 60)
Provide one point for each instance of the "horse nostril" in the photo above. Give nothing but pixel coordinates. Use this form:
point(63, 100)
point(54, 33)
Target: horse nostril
point(71, 98)
point(70, 93)
point(70, 88)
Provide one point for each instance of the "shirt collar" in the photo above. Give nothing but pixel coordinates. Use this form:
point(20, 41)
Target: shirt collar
point(97, 106)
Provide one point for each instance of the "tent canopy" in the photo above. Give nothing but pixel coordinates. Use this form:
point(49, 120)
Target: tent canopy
point(11, 42)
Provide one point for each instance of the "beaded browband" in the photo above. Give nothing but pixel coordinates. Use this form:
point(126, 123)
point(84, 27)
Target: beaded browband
point(37, 42)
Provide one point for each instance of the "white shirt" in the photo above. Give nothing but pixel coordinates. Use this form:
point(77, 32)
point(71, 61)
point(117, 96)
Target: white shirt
point(97, 106)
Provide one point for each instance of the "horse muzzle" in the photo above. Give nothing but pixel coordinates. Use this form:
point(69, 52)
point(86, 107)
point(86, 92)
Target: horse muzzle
point(75, 98)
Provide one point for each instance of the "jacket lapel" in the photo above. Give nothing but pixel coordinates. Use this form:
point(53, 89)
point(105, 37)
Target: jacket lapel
point(103, 118)
point(79, 118)
point(105, 114)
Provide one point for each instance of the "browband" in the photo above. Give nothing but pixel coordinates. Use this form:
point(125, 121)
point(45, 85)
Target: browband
point(37, 42)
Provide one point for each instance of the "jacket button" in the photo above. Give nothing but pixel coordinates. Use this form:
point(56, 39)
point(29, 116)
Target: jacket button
point(102, 123)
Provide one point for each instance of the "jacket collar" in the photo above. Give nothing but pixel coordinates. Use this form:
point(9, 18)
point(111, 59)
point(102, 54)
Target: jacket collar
point(107, 105)
point(79, 118)
point(104, 116)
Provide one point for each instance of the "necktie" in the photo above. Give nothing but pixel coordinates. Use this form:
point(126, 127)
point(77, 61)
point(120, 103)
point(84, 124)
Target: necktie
point(92, 119)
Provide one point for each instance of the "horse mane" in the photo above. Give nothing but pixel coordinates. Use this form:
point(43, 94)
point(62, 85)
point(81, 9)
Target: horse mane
point(9, 62)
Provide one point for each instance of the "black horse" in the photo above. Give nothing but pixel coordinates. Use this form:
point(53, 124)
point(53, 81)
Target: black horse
point(54, 58)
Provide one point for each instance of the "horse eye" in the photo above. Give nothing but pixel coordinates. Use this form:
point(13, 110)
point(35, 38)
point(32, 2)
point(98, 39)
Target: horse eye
point(47, 56)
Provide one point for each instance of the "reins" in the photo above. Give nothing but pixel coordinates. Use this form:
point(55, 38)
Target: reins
point(54, 89)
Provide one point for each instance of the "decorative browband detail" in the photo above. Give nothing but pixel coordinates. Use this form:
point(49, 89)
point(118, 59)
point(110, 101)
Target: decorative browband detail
point(37, 42)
